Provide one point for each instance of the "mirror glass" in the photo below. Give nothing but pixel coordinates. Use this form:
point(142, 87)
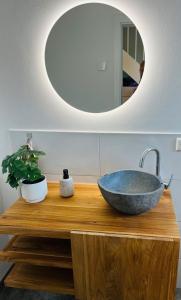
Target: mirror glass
point(94, 57)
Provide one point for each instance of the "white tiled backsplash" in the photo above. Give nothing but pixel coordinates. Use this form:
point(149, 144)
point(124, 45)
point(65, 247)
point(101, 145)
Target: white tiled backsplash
point(89, 155)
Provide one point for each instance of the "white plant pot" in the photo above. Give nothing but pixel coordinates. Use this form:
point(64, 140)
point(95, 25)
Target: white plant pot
point(34, 192)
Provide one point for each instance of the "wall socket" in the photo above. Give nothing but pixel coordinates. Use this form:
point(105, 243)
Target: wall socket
point(178, 144)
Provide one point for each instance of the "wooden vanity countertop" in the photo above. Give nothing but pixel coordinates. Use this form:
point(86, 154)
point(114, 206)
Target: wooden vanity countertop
point(86, 211)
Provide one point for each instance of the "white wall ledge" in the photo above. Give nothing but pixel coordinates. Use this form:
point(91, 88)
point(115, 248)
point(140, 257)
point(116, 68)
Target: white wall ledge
point(93, 132)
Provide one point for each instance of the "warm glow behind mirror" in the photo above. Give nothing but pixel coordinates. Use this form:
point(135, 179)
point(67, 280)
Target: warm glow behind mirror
point(94, 57)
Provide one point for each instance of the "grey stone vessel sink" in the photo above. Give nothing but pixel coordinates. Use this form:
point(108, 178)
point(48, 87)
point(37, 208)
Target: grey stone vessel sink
point(131, 192)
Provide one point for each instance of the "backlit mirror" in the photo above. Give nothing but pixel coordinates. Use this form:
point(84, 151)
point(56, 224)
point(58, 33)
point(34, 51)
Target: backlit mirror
point(94, 57)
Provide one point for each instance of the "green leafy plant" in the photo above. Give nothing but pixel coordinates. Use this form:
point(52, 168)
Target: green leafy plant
point(22, 165)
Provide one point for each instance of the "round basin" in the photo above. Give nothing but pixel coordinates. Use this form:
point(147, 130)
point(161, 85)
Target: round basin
point(130, 191)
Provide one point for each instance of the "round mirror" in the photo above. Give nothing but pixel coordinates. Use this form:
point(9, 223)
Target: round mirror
point(94, 57)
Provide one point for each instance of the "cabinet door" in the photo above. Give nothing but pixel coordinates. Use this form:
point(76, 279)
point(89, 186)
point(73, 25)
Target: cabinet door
point(114, 267)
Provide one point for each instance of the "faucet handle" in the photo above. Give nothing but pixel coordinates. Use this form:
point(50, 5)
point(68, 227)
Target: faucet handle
point(167, 185)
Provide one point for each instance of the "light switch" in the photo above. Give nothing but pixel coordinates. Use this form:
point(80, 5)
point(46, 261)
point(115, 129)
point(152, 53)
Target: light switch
point(178, 144)
point(101, 66)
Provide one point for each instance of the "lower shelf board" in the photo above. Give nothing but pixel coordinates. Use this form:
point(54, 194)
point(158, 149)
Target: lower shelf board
point(48, 279)
point(38, 251)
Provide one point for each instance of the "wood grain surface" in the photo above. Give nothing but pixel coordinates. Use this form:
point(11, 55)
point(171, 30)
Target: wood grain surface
point(56, 217)
point(48, 279)
point(109, 267)
point(38, 251)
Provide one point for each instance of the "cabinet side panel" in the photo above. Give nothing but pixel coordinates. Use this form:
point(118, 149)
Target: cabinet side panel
point(108, 267)
point(79, 266)
point(173, 270)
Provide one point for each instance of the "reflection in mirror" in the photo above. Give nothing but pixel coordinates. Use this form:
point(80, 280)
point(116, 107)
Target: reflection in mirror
point(94, 57)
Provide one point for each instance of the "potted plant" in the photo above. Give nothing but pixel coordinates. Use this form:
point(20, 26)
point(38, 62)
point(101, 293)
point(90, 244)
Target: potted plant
point(22, 168)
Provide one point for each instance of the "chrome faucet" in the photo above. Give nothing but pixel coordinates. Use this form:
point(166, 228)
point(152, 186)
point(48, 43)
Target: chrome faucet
point(166, 185)
point(157, 159)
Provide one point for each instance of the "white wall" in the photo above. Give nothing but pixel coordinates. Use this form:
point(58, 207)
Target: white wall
point(155, 105)
point(29, 102)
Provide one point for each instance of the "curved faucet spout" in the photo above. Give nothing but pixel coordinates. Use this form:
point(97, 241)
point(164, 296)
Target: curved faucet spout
point(157, 159)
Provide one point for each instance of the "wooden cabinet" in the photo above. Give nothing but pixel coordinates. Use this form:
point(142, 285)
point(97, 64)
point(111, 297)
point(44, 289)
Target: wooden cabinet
point(81, 246)
point(123, 267)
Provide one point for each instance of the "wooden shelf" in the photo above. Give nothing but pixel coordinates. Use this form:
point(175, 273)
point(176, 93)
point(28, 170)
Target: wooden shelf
point(48, 279)
point(38, 251)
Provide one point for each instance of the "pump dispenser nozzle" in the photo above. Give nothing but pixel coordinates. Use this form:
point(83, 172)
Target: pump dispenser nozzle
point(65, 174)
